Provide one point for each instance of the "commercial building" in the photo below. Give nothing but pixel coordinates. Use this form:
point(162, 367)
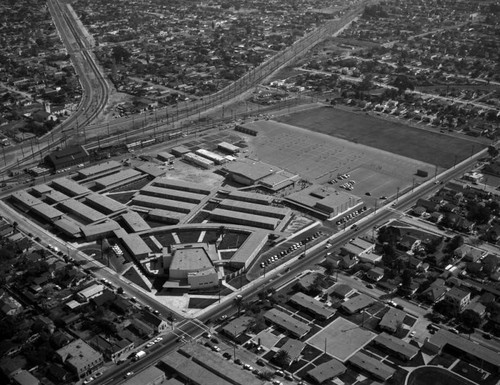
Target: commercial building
point(67, 157)
point(101, 168)
point(361, 249)
point(54, 196)
point(135, 246)
point(326, 371)
point(178, 195)
point(165, 156)
point(81, 210)
point(312, 306)
point(80, 358)
point(322, 201)
point(180, 151)
point(445, 340)
point(198, 160)
point(150, 376)
point(134, 222)
point(357, 303)
point(392, 320)
point(396, 346)
point(118, 179)
point(104, 204)
point(287, 322)
point(161, 203)
point(254, 208)
point(228, 216)
point(227, 147)
point(181, 185)
point(371, 365)
point(99, 231)
point(112, 349)
point(69, 187)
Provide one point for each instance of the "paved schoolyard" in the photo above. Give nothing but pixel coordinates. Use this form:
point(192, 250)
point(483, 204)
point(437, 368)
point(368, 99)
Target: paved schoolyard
point(343, 338)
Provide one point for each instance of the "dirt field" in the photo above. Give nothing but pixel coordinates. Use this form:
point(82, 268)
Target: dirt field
point(343, 338)
point(425, 146)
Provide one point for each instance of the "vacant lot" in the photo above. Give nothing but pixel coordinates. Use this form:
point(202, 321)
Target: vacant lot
point(343, 338)
point(433, 148)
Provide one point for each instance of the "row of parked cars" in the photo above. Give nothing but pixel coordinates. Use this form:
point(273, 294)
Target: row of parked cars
point(351, 215)
point(292, 248)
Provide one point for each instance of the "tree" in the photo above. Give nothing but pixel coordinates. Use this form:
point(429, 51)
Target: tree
point(470, 319)
point(282, 358)
point(407, 278)
point(492, 151)
point(329, 268)
point(445, 308)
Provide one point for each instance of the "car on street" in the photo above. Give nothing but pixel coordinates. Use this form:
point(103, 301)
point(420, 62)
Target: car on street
point(88, 380)
point(128, 374)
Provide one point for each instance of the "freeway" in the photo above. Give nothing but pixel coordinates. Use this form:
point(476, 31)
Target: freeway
point(89, 73)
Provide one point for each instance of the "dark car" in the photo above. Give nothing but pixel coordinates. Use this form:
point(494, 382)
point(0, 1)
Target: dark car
point(226, 355)
point(260, 362)
point(237, 361)
point(370, 286)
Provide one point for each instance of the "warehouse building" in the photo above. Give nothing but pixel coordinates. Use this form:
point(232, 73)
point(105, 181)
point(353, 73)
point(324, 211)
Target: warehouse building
point(40, 190)
point(396, 346)
point(134, 222)
point(278, 181)
point(118, 179)
point(82, 211)
point(216, 158)
point(98, 169)
point(104, 204)
point(161, 203)
point(371, 365)
point(67, 157)
point(227, 216)
point(165, 216)
point(254, 208)
point(244, 196)
point(69, 187)
point(165, 156)
point(312, 306)
point(193, 158)
point(100, 231)
point(287, 322)
point(180, 151)
point(135, 246)
point(162, 192)
point(228, 147)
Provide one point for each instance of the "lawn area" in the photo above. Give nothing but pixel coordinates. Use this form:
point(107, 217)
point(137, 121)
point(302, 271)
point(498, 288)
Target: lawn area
point(431, 375)
point(426, 146)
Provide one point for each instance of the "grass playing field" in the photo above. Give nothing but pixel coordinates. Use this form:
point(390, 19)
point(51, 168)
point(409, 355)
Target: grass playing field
point(435, 148)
